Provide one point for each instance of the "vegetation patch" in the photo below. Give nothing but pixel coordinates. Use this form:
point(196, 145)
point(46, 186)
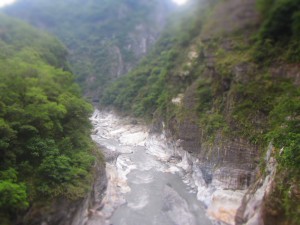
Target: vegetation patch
point(46, 151)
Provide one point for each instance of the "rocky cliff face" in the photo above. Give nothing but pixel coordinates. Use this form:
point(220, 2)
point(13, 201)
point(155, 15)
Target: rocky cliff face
point(105, 39)
point(229, 164)
point(224, 93)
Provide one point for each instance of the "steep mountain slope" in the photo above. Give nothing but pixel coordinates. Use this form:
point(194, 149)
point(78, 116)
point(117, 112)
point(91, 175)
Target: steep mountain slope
point(106, 39)
point(225, 81)
point(45, 148)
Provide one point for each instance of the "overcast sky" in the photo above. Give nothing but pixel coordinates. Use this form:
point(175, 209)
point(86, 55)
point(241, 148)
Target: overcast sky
point(5, 2)
point(180, 2)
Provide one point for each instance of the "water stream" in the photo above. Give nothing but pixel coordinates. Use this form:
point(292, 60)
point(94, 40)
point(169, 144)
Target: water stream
point(145, 181)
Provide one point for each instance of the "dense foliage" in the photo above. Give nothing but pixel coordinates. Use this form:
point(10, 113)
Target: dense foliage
point(103, 37)
point(279, 34)
point(45, 149)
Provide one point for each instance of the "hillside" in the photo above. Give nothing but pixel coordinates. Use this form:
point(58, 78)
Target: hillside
point(45, 149)
point(105, 39)
point(225, 82)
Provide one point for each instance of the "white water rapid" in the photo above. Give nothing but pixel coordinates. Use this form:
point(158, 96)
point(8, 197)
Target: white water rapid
point(149, 182)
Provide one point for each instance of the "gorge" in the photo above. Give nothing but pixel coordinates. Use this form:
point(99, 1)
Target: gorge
point(196, 113)
point(152, 180)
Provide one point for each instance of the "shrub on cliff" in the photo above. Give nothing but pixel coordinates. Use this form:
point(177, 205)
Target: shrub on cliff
point(280, 29)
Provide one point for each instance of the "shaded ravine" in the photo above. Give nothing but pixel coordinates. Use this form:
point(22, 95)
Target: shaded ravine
point(147, 183)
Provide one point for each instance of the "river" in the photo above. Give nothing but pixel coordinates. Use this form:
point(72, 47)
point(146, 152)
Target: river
point(147, 182)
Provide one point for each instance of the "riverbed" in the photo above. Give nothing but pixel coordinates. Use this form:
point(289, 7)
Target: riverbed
point(148, 183)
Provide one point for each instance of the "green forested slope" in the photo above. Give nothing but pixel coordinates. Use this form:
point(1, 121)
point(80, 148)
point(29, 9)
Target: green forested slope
point(150, 86)
point(241, 80)
point(45, 148)
point(105, 38)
